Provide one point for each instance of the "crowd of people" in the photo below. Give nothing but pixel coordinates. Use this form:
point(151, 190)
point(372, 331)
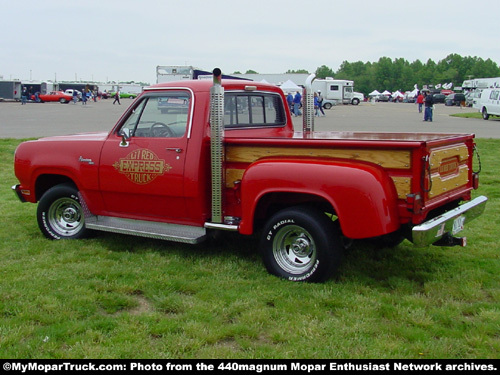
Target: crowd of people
point(295, 104)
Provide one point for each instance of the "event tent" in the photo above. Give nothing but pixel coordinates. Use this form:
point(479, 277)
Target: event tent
point(290, 86)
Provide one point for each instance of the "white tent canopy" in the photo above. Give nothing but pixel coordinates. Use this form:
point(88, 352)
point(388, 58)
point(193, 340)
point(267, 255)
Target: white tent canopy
point(386, 92)
point(290, 86)
point(397, 94)
point(374, 93)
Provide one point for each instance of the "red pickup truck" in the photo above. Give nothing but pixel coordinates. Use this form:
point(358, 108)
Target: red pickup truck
point(192, 157)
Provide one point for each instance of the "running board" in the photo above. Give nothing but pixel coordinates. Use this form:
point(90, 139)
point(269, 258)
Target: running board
point(150, 229)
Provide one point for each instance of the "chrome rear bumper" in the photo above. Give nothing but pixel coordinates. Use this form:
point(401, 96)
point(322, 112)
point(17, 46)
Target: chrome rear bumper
point(449, 223)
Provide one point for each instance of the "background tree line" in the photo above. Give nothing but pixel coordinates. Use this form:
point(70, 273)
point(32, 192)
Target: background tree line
point(399, 74)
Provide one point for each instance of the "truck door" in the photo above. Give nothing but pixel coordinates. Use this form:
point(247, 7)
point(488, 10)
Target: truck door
point(348, 94)
point(494, 106)
point(143, 178)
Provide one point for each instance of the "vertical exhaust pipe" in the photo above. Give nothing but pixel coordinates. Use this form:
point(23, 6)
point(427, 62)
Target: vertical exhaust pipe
point(308, 106)
point(217, 145)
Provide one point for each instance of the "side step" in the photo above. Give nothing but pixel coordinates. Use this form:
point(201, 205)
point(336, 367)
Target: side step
point(150, 229)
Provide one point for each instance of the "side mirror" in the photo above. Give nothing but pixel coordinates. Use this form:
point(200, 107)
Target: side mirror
point(125, 134)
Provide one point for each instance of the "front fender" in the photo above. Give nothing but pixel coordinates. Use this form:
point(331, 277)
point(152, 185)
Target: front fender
point(362, 194)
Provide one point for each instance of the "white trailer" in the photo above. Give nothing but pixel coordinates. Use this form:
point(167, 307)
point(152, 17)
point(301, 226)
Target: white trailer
point(10, 90)
point(337, 91)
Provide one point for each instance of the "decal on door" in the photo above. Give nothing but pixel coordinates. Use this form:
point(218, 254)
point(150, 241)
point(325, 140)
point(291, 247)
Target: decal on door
point(142, 166)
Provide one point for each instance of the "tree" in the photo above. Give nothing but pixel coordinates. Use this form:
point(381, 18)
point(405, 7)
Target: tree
point(298, 71)
point(323, 71)
point(250, 71)
point(399, 74)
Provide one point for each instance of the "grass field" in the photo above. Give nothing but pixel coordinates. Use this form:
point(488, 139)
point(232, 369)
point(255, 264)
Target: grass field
point(115, 296)
point(477, 115)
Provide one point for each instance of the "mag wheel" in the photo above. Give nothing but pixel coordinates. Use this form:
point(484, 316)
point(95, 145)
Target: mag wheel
point(60, 214)
point(301, 244)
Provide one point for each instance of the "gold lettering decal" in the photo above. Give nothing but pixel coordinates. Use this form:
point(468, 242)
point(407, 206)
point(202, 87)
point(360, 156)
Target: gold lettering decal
point(142, 166)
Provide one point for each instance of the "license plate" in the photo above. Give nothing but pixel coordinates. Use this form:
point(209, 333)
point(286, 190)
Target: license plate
point(458, 224)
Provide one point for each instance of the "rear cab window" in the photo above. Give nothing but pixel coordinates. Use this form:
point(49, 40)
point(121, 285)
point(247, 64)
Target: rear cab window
point(250, 110)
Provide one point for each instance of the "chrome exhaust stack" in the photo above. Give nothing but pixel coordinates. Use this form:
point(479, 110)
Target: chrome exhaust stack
point(217, 145)
point(308, 106)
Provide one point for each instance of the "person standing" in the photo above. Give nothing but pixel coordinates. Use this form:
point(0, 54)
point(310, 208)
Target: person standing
point(320, 103)
point(428, 103)
point(296, 104)
point(420, 101)
point(84, 97)
point(24, 96)
point(289, 100)
point(316, 105)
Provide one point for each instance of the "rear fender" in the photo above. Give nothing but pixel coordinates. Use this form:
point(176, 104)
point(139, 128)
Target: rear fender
point(362, 195)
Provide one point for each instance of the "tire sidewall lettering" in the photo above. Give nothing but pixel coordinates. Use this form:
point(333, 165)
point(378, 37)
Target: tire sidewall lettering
point(48, 228)
point(307, 275)
point(276, 226)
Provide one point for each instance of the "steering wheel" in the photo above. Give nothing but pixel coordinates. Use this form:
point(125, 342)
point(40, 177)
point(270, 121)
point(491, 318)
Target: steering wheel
point(159, 129)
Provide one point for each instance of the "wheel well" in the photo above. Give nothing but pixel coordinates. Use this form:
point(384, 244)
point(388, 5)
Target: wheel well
point(47, 181)
point(274, 202)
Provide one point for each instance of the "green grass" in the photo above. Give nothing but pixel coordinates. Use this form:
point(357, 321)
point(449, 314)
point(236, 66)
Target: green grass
point(117, 296)
point(468, 115)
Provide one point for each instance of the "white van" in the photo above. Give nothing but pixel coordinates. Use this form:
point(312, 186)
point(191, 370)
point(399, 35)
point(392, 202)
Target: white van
point(490, 103)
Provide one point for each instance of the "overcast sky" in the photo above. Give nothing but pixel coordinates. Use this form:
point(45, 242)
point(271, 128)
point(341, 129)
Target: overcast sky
point(124, 40)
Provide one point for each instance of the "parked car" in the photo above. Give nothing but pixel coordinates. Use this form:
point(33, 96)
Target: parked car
point(439, 98)
point(71, 91)
point(55, 96)
point(383, 98)
point(123, 95)
point(455, 99)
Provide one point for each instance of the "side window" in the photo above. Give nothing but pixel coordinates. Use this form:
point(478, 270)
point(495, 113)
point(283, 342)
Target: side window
point(157, 116)
point(243, 110)
point(334, 88)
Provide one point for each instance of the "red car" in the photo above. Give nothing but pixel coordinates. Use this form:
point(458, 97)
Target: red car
point(55, 96)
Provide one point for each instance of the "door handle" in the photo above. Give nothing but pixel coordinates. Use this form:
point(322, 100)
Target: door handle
point(178, 150)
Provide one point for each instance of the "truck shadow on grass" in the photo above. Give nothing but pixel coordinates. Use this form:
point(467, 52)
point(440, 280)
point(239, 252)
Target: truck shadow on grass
point(363, 262)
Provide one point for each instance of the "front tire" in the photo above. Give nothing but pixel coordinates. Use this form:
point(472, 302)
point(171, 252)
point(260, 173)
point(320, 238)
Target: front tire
point(60, 214)
point(301, 244)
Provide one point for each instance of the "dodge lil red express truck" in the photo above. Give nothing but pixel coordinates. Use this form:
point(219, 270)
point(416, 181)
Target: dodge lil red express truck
point(191, 157)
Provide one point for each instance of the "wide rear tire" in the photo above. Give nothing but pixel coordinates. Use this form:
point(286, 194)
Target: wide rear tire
point(301, 244)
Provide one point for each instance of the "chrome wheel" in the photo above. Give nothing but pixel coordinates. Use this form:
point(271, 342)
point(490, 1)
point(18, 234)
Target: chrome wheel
point(294, 249)
point(301, 243)
point(60, 215)
point(65, 217)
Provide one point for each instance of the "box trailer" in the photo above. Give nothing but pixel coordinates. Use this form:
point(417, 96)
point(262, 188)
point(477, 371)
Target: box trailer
point(10, 90)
